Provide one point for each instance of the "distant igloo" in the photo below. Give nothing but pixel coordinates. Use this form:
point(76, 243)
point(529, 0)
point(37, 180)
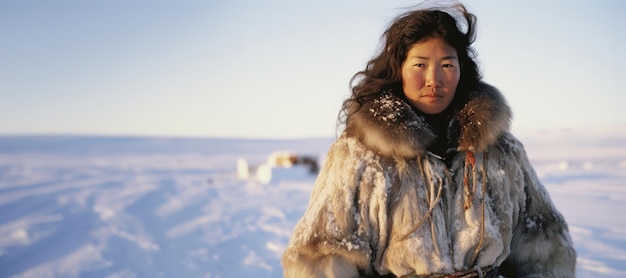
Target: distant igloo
point(281, 165)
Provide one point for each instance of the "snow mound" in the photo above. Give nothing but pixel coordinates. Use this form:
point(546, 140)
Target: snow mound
point(266, 173)
point(280, 165)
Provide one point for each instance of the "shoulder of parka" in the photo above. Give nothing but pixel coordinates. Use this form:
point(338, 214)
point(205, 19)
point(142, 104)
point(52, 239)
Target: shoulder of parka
point(389, 126)
point(541, 245)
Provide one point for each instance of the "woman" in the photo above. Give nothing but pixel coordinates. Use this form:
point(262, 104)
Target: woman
point(426, 180)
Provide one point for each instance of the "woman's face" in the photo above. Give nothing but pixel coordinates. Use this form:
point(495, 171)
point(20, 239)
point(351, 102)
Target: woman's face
point(430, 75)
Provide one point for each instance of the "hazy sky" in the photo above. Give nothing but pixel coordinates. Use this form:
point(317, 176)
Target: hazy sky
point(232, 68)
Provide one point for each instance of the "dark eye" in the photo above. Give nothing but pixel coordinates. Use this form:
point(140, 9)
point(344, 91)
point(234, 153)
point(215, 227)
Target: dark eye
point(419, 65)
point(448, 65)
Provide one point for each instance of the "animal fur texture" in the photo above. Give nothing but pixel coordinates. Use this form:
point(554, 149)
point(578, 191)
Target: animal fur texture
point(383, 204)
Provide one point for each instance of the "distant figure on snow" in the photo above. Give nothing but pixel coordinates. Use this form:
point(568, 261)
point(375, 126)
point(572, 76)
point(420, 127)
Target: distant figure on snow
point(426, 180)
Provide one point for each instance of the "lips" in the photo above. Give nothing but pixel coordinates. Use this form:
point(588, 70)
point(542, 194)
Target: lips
point(432, 97)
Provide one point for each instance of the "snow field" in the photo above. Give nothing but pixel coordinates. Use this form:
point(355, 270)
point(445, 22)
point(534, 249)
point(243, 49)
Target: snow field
point(155, 207)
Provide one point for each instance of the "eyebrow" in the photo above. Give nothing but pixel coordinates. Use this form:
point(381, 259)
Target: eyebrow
point(449, 57)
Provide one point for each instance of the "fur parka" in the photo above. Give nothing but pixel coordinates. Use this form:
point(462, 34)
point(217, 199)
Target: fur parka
point(383, 204)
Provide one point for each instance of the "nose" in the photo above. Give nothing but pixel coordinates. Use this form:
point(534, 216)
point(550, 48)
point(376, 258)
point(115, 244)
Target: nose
point(432, 77)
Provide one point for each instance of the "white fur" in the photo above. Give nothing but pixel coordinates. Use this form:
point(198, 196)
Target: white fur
point(328, 267)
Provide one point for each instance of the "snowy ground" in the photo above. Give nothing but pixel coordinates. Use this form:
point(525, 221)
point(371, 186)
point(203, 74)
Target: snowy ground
point(158, 207)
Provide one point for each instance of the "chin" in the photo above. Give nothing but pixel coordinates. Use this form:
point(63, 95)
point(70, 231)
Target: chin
point(431, 110)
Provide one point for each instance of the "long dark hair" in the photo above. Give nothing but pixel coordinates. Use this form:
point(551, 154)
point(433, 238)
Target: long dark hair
point(384, 72)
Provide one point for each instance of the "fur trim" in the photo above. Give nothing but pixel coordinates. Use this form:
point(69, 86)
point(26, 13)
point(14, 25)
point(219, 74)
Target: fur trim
point(484, 118)
point(389, 126)
point(327, 267)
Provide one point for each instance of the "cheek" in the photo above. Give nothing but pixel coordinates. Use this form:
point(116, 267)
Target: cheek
point(453, 79)
point(412, 80)
point(457, 77)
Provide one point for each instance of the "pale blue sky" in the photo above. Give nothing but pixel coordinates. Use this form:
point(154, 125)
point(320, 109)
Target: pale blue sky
point(280, 69)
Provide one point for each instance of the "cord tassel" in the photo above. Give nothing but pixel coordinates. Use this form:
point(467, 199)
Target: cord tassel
point(482, 204)
point(470, 164)
point(432, 204)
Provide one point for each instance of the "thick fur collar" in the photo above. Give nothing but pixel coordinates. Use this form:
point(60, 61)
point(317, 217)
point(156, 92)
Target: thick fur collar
point(389, 126)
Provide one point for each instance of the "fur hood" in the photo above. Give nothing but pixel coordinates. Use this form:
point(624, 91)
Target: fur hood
point(389, 126)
